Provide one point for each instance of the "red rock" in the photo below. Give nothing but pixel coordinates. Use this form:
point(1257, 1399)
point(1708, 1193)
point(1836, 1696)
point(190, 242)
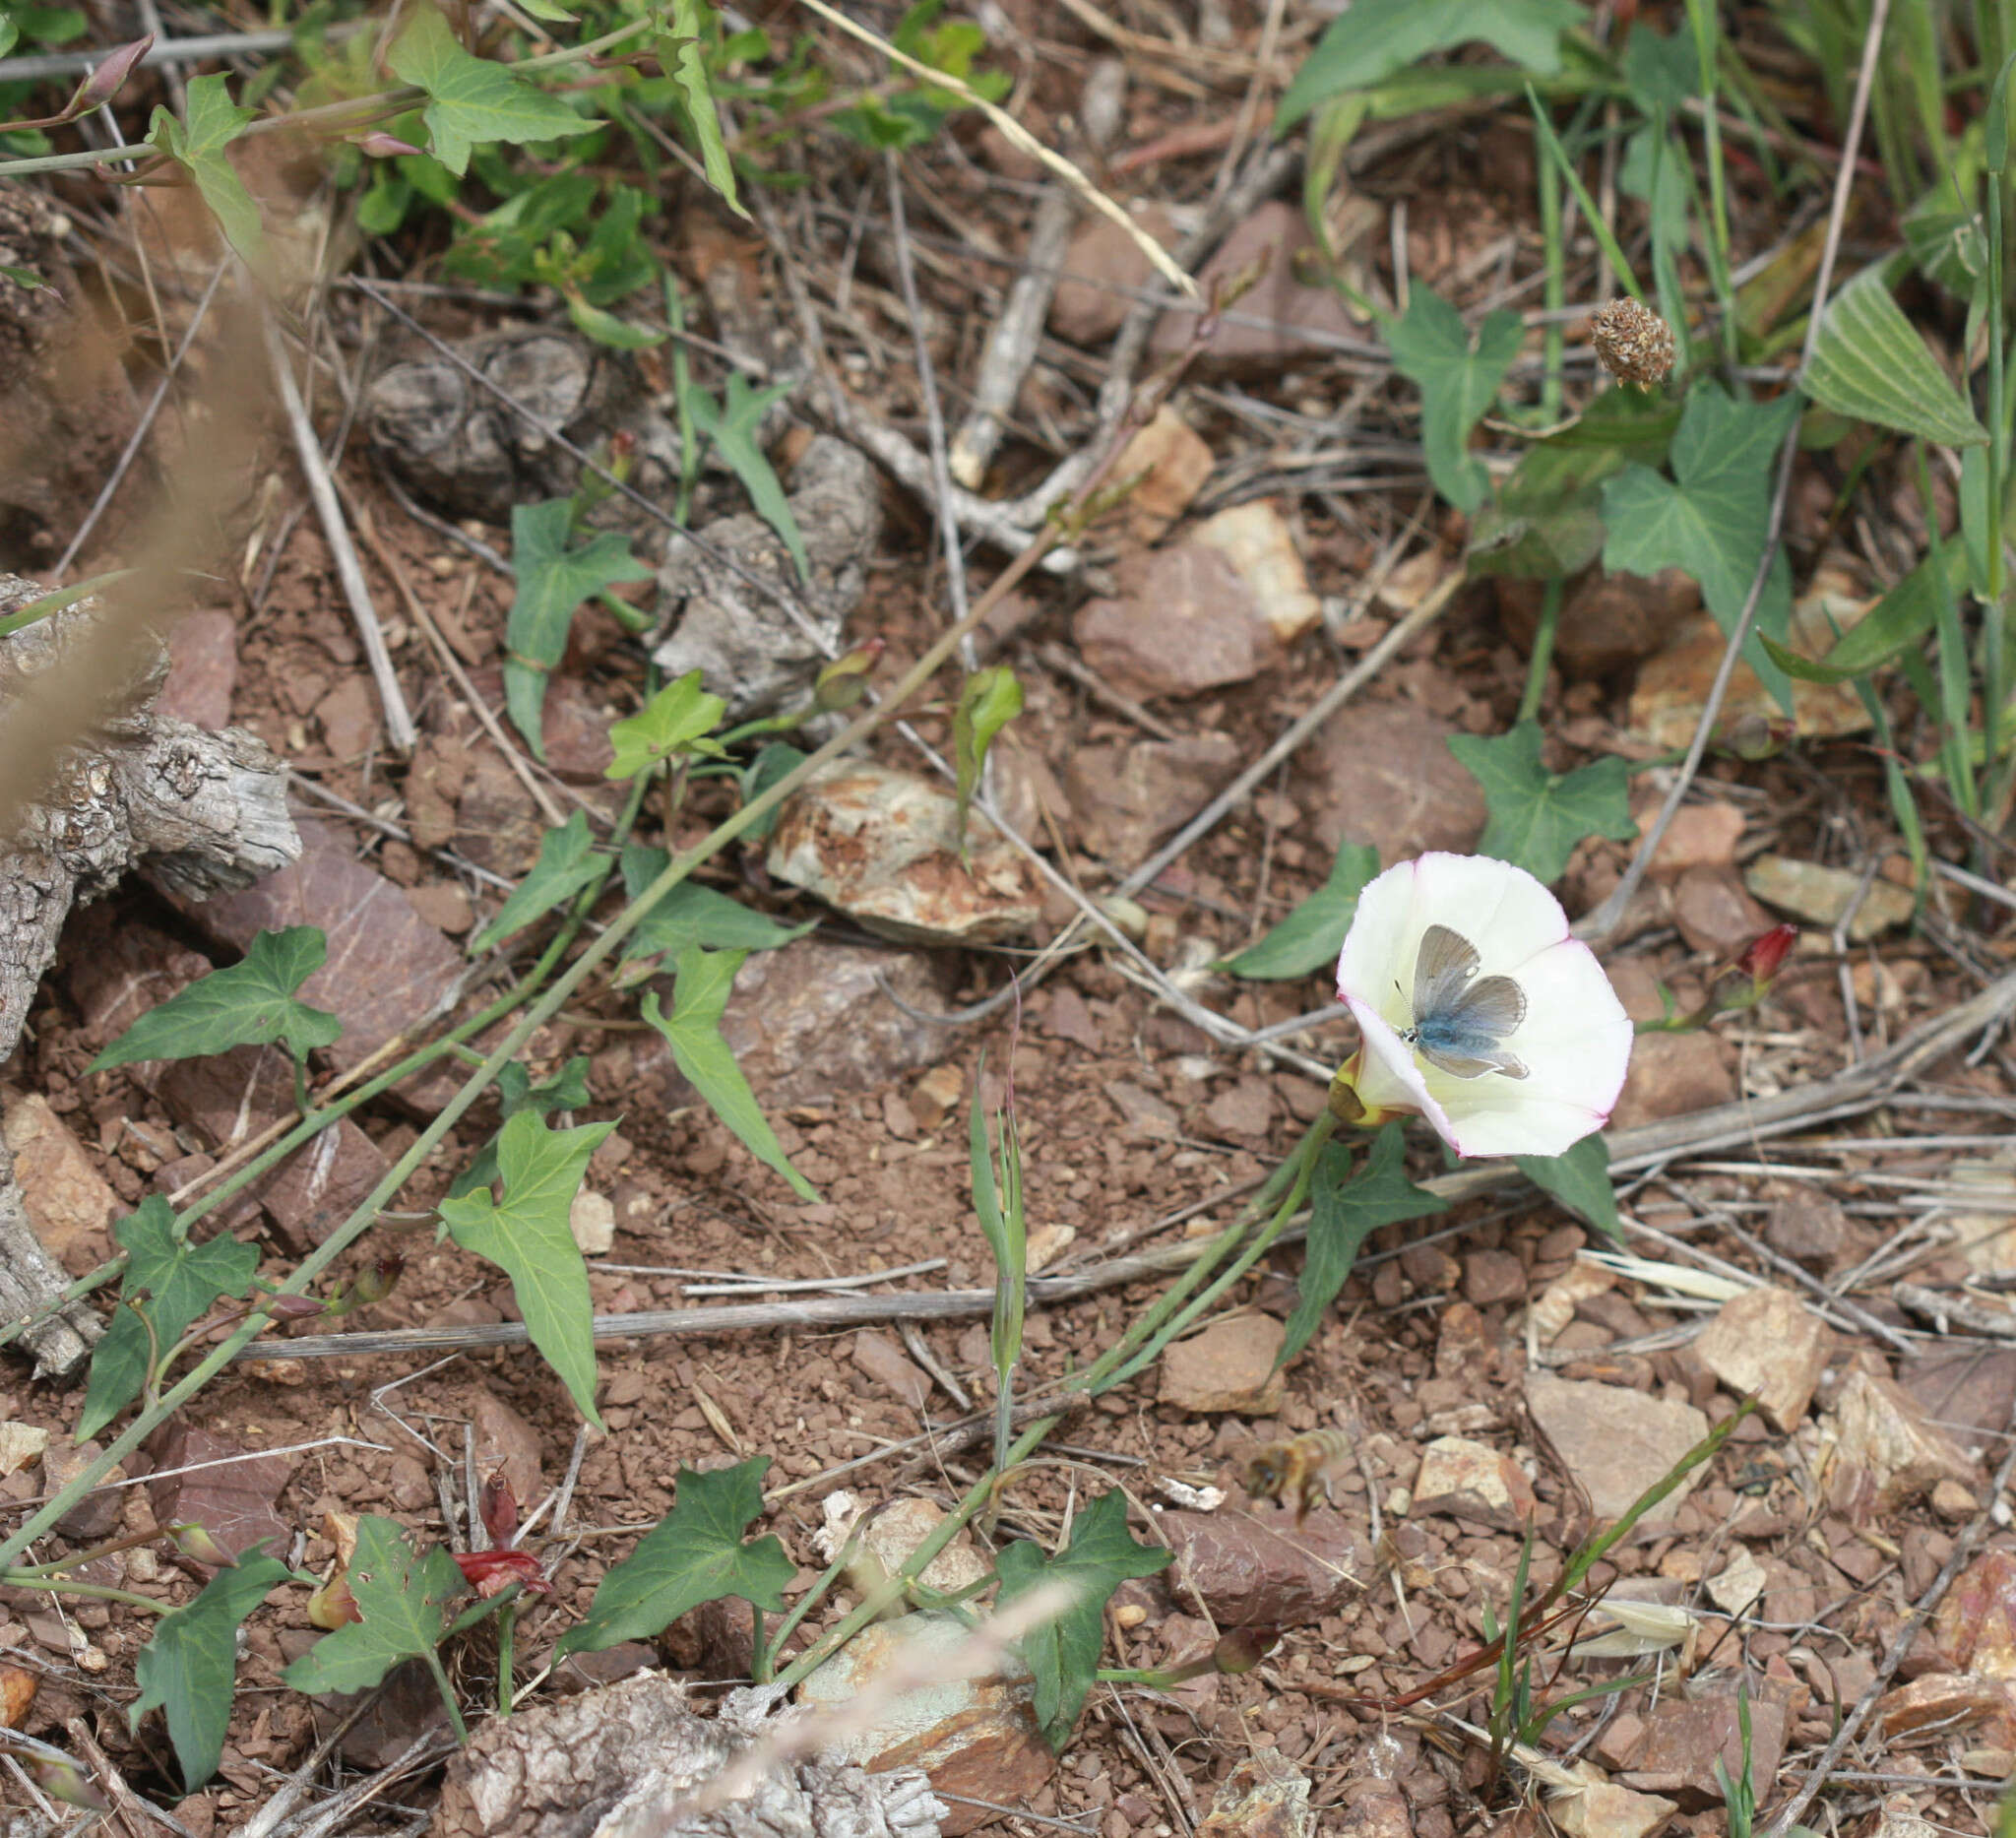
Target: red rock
point(203, 669)
point(1385, 776)
point(889, 1366)
point(1245, 1108)
point(1179, 622)
point(1714, 912)
point(1491, 1276)
point(1812, 1228)
point(231, 1498)
point(1768, 1341)
point(1976, 1622)
point(1104, 268)
point(1474, 1482)
point(1615, 1443)
point(1127, 798)
point(1261, 1570)
point(443, 905)
point(317, 1187)
point(434, 781)
point(1229, 1366)
point(1886, 1453)
point(350, 718)
point(497, 823)
point(1172, 462)
point(1701, 837)
point(506, 1444)
point(1684, 1741)
point(1281, 299)
point(97, 1515)
point(1144, 1114)
point(1672, 1075)
point(1608, 621)
point(69, 1202)
point(387, 970)
point(1948, 1701)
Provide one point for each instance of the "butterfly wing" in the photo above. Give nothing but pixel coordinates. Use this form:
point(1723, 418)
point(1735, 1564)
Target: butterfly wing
point(1442, 968)
point(1465, 1038)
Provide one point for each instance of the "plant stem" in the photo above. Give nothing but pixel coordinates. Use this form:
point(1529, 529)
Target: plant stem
point(447, 1692)
point(103, 1592)
point(759, 1663)
point(1543, 653)
point(507, 1625)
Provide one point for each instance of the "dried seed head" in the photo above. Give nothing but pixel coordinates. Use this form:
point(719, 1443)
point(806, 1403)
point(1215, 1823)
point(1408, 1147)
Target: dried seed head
point(1633, 343)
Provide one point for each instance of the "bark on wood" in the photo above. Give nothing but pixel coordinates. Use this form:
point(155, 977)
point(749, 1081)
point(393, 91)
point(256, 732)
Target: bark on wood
point(199, 813)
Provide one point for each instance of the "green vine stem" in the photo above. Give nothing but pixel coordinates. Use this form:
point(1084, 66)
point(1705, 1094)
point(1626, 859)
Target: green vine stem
point(62, 1586)
point(676, 871)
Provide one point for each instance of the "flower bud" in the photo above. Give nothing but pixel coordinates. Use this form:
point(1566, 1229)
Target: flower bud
point(492, 1573)
point(332, 1606)
point(1633, 343)
point(65, 1781)
point(842, 683)
point(193, 1541)
point(1761, 958)
point(1754, 737)
point(382, 145)
point(1240, 1650)
point(499, 1508)
point(295, 1307)
point(378, 1279)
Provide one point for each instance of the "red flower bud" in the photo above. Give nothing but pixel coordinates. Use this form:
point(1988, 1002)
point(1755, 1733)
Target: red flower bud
point(1243, 1648)
point(843, 682)
point(378, 1279)
point(295, 1307)
point(382, 145)
point(490, 1572)
point(1761, 958)
point(67, 1782)
point(499, 1506)
point(193, 1541)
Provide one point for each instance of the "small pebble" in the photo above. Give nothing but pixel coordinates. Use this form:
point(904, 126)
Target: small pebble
point(1953, 1503)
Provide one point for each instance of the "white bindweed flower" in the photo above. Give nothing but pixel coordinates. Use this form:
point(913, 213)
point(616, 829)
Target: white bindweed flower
point(1497, 1070)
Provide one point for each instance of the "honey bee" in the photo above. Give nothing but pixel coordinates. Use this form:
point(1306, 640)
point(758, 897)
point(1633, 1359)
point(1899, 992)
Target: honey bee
point(1294, 1470)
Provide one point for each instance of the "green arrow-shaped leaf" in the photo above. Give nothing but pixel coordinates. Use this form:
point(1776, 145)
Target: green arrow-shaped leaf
point(677, 720)
point(1459, 377)
point(1312, 936)
point(1344, 1210)
point(1711, 518)
point(567, 1090)
point(734, 429)
point(552, 581)
point(695, 1553)
point(700, 997)
point(1579, 1180)
point(1063, 1653)
point(1538, 816)
point(1869, 362)
point(249, 1003)
point(171, 1281)
point(681, 55)
point(469, 99)
point(215, 121)
point(1375, 39)
point(404, 1600)
point(695, 914)
point(528, 1237)
point(567, 863)
point(190, 1666)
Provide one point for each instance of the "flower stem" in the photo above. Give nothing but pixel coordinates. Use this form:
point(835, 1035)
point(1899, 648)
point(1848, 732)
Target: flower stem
point(1543, 653)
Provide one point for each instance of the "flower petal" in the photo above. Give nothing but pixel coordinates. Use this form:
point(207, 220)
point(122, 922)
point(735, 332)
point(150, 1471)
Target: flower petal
point(1390, 1078)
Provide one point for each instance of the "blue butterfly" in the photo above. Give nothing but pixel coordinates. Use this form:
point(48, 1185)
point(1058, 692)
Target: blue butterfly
point(1460, 1025)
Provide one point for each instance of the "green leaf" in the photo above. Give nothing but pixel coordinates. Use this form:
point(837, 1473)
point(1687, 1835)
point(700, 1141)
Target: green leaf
point(1538, 816)
point(779, 759)
point(1579, 1180)
point(173, 1282)
point(989, 700)
point(1458, 376)
point(50, 25)
point(1378, 38)
point(568, 1091)
point(404, 1600)
point(1004, 1225)
point(190, 1666)
point(529, 1239)
point(1064, 1654)
point(680, 55)
point(567, 863)
point(733, 431)
point(700, 997)
point(695, 914)
point(1995, 126)
point(552, 581)
point(1871, 362)
point(1343, 1211)
point(215, 121)
point(249, 1003)
point(9, 37)
point(471, 100)
point(695, 1553)
point(675, 720)
point(1711, 517)
point(1312, 935)
point(1898, 620)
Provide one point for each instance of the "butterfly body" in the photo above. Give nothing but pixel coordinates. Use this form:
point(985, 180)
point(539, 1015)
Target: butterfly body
point(1461, 1019)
